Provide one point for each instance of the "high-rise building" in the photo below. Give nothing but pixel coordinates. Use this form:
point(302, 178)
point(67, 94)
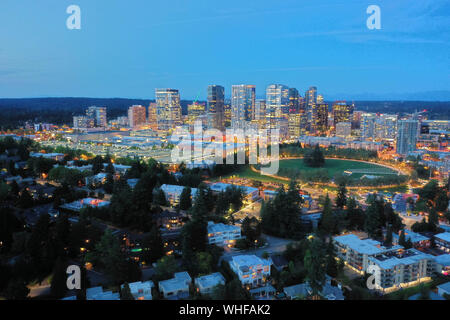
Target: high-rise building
point(152, 118)
point(408, 131)
point(216, 106)
point(294, 100)
point(136, 116)
point(295, 125)
point(342, 112)
point(260, 113)
point(310, 103)
point(368, 126)
point(168, 108)
point(195, 110)
point(321, 118)
point(386, 127)
point(83, 122)
point(242, 104)
point(343, 129)
point(98, 114)
point(277, 104)
point(227, 114)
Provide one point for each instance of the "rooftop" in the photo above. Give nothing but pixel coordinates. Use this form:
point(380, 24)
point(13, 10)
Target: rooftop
point(220, 227)
point(364, 246)
point(444, 236)
point(389, 260)
point(220, 187)
point(210, 280)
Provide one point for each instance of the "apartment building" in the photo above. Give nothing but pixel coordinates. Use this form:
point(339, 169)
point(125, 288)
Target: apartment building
point(206, 284)
point(251, 270)
point(402, 268)
point(223, 234)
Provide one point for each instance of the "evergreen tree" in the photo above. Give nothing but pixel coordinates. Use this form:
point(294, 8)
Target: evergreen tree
point(373, 223)
point(125, 292)
point(185, 199)
point(327, 222)
point(388, 239)
point(153, 246)
point(402, 238)
point(315, 266)
point(341, 199)
point(58, 285)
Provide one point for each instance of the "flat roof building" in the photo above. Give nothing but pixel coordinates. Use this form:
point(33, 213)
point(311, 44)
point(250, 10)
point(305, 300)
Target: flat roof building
point(206, 284)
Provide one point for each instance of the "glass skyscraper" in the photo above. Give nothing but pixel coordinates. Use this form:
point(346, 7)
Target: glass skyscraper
point(168, 109)
point(242, 104)
point(216, 107)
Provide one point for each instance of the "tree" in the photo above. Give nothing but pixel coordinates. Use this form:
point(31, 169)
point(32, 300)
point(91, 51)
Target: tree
point(355, 215)
point(153, 246)
point(388, 239)
point(327, 221)
point(341, 199)
point(97, 164)
point(402, 238)
point(161, 198)
point(433, 219)
point(185, 199)
point(314, 158)
point(58, 285)
point(165, 268)
point(251, 229)
point(315, 266)
point(332, 265)
point(16, 290)
point(373, 221)
point(108, 255)
point(125, 292)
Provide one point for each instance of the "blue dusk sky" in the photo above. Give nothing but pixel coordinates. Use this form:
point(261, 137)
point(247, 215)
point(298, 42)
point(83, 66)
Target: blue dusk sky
point(129, 48)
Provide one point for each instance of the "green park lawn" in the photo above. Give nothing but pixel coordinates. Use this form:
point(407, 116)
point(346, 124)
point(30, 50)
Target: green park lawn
point(335, 166)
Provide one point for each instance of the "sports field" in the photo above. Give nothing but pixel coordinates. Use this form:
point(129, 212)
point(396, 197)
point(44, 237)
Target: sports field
point(354, 169)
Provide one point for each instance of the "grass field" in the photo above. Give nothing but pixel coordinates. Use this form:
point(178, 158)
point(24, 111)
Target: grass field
point(335, 166)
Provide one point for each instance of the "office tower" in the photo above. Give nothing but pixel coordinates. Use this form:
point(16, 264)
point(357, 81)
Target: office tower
point(294, 100)
point(277, 105)
point(295, 125)
point(216, 108)
point(195, 110)
point(407, 136)
point(98, 114)
point(320, 99)
point(368, 126)
point(260, 113)
point(152, 118)
point(83, 122)
point(168, 109)
point(310, 103)
point(227, 114)
point(242, 104)
point(343, 129)
point(386, 127)
point(321, 118)
point(136, 116)
point(342, 112)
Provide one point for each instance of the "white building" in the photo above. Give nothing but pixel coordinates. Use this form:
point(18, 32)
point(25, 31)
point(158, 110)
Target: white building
point(402, 268)
point(141, 290)
point(206, 284)
point(250, 193)
point(444, 289)
point(223, 234)
point(442, 241)
point(177, 287)
point(355, 252)
point(251, 270)
point(173, 193)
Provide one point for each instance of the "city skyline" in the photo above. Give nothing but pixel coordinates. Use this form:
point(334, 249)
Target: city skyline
point(319, 43)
